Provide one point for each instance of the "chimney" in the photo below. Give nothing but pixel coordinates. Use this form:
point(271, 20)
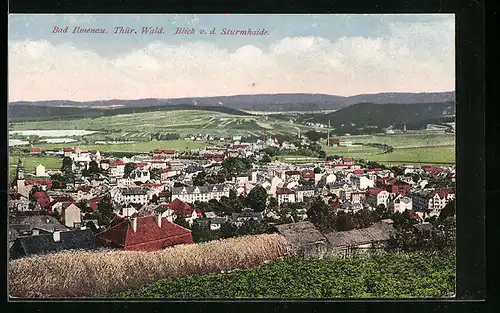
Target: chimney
point(158, 220)
point(57, 236)
point(133, 223)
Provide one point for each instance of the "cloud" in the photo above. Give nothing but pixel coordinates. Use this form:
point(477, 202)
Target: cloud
point(415, 57)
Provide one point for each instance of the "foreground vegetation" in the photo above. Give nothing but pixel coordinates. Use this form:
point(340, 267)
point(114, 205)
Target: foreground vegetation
point(86, 274)
point(381, 275)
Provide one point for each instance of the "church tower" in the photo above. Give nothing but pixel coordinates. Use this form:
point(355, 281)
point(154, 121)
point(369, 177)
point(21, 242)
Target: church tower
point(21, 186)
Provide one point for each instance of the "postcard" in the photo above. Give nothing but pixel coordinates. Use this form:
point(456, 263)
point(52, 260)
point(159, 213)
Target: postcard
point(231, 156)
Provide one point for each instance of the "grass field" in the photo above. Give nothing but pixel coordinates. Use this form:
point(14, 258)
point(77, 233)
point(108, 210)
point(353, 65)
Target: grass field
point(145, 146)
point(31, 162)
point(183, 122)
point(428, 155)
point(411, 148)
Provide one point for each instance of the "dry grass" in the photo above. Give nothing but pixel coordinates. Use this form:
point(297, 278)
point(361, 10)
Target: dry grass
point(92, 274)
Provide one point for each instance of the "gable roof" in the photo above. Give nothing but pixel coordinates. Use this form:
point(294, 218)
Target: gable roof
point(45, 222)
point(122, 234)
point(182, 209)
point(69, 240)
point(284, 191)
point(42, 199)
point(300, 234)
point(377, 232)
point(35, 149)
point(374, 191)
point(308, 174)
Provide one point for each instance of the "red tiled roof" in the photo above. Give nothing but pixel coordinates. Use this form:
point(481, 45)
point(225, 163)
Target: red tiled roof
point(374, 169)
point(84, 188)
point(374, 191)
point(359, 172)
point(290, 173)
point(93, 205)
point(335, 205)
point(96, 199)
point(308, 174)
point(165, 151)
point(116, 163)
point(415, 215)
point(158, 161)
point(433, 169)
point(181, 208)
point(152, 185)
point(68, 149)
point(347, 159)
point(147, 231)
point(141, 164)
point(284, 191)
point(164, 170)
point(42, 199)
point(35, 150)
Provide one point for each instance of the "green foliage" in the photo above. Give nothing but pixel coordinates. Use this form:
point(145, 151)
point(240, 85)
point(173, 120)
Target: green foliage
point(182, 222)
point(266, 159)
point(379, 275)
point(257, 198)
point(129, 168)
point(66, 167)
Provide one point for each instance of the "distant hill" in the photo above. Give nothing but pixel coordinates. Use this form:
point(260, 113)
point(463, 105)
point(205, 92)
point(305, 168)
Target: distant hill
point(384, 115)
point(261, 102)
point(30, 112)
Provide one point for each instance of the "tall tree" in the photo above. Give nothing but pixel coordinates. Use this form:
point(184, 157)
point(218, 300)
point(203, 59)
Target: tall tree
point(129, 168)
point(257, 198)
point(67, 165)
point(93, 167)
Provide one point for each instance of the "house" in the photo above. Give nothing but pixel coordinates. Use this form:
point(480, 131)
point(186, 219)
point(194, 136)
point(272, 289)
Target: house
point(170, 154)
point(402, 204)
point(241, 179)
point(397, 187)
point(285, 195)
point(139, 175)
point(431, 201)
point(305, 192)
point(44, 222)
point(117, 168)
point(40, 171)
point(200, 193)
point(79, 239)
point(217, 222)
point(148, 233)
point(362, 182)
point(182, 209)
point(342, 242)
point(43, 200)
point(347, 161)
point(304, 238)
point(357, 196)
point(380, 195)
point(247, 215)
point(139, 195)
point(292, 175)
point(308, 174)
point(72, 216)
point(68, 152)
point(35, 150)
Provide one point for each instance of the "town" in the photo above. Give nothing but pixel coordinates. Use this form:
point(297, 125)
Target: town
point(151, 201)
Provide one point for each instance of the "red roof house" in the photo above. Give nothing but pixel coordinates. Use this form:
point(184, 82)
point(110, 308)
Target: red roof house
point(147, 233)
point(67, 149)
point(35, 150)
point(42, 199)
point(182, 209)
point(308, 174)
point(116, 163)
point(284, 191)
point(359, 172)
point(374, 191)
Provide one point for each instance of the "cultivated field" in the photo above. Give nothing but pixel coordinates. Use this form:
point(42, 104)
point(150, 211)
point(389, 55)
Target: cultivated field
point(431, 155)
point(183, 122)
point(86, 274)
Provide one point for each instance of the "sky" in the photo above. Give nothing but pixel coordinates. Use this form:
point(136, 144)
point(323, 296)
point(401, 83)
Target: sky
point(334, 54)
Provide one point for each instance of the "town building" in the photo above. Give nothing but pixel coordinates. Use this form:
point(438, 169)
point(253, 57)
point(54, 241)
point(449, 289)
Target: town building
point(285, 195)
point(200, 193)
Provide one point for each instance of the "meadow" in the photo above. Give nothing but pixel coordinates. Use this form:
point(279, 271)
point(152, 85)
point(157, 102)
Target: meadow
point(30, 163)
point(411, 148)
point(142, 146)
point(380, 275)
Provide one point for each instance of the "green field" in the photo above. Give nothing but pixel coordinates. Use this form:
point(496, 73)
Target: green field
point(410, 148)
point(31, 162)
point(431, 155)
point(145, 146)
point(184, 122)
point(386, 275)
